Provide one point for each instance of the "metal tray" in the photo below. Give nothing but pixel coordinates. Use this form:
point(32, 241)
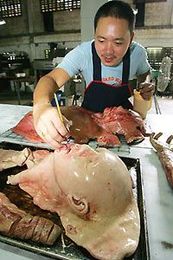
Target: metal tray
point(64, 248)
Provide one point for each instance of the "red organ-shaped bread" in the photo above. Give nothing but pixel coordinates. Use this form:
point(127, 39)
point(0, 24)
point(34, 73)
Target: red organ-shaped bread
point(86, 126)
point(15, 222)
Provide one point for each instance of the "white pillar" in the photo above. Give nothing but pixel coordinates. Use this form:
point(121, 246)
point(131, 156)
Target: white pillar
point(88, 10)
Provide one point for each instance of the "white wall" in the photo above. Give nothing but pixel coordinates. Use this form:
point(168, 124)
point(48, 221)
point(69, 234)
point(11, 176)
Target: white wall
point(34, 41)
point(155, 37)
point(155, 14)
point(158, 13)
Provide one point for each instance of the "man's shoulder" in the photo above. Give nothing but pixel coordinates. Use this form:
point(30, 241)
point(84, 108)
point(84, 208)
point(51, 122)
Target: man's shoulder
point(137, 47)
point(81, 50)
point(85, 45)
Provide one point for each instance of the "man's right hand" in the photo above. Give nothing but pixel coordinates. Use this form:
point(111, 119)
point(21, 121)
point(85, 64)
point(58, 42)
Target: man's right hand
point(49, 126)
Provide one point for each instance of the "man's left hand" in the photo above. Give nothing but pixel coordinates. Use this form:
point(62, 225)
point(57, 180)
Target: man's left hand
point(146, 90)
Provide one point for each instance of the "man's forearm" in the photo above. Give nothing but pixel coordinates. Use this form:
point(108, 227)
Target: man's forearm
point(44, 90)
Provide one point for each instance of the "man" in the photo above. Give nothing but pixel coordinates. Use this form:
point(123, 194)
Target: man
point(108, 64)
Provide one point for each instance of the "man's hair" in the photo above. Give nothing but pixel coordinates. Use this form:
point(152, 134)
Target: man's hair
point(117, 9)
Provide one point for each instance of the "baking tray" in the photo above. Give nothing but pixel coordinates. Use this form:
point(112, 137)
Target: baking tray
point(64, 248)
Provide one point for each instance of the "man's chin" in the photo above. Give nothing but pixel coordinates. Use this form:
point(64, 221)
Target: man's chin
point(111, 63)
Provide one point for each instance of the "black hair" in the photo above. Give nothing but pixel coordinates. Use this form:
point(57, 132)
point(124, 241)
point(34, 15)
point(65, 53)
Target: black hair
point(117, 9)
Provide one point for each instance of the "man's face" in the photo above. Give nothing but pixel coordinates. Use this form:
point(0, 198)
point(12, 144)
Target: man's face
point(112, 39)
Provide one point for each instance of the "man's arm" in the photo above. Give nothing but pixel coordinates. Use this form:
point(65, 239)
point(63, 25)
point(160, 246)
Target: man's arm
point(48, 85)
point(46, 120)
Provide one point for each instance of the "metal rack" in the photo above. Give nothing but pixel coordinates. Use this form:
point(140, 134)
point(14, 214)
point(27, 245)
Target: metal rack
point(10, 137)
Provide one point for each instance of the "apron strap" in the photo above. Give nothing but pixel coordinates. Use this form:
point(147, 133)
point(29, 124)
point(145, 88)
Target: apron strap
point(97, 65)
point(126, 67)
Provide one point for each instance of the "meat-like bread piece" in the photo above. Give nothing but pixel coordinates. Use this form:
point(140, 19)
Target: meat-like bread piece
point(165, 156)
point(121, 121)
point(86, 126)
point(17, 223)
point(26, 128)
point(11, 158)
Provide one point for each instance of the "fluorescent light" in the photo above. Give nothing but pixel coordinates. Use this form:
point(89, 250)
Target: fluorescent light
point(155, 48)
point(2, 22)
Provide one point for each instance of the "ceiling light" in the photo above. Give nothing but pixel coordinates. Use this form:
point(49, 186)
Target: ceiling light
point(2, 22)
point(154, 48)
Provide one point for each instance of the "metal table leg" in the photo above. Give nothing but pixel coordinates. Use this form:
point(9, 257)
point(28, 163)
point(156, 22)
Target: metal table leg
point(17, 86)
point(158, 110)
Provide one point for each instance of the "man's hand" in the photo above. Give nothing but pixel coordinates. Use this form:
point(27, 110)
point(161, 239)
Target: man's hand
point(146, 90)
point(49, 126)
